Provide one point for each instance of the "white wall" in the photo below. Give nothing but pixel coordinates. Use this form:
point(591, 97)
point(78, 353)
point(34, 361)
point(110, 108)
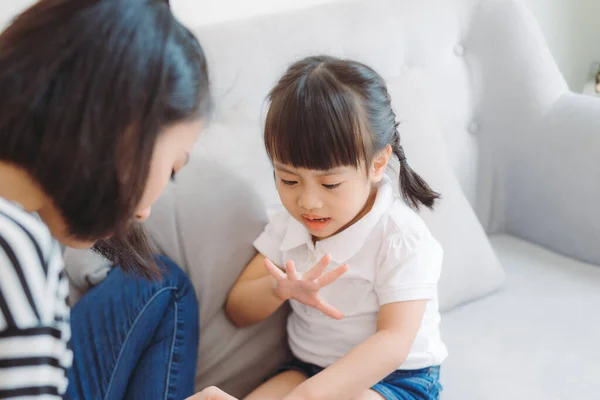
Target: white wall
point(572, 27)
point(589, 18)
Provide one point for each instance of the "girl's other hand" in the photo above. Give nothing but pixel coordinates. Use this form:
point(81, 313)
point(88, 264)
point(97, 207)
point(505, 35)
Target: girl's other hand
point(211, 393)
point(305, 287)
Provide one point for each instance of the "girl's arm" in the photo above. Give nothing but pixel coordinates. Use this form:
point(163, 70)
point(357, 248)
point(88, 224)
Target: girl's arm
point(370, 361)
point(252, 299)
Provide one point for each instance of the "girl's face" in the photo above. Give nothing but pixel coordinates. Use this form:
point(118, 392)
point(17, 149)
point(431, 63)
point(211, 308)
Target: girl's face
point(171, 154)
point(327, 202)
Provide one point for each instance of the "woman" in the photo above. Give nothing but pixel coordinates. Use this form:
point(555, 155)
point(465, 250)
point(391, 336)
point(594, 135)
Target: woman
point(102, 101)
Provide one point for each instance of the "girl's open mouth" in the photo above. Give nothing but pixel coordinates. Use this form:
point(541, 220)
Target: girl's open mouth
point(315, 222)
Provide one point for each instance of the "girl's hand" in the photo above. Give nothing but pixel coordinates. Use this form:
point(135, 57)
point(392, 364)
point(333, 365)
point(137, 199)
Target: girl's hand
point(305, 287)
point(211, 393)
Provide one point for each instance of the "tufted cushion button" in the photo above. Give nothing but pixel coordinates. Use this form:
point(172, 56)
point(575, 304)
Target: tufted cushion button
point(473, 128)
point(459, 50)
point(404, 68)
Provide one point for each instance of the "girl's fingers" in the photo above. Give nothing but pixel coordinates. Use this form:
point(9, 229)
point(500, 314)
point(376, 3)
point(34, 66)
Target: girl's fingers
point(329, 310)
point(332, 276)
point(290, 269)
point(211, 393)
point(319, 268)
point(274, 270)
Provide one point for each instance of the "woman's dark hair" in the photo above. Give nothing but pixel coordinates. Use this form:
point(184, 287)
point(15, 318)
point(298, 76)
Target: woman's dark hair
point(86, 87)
point(327, 112)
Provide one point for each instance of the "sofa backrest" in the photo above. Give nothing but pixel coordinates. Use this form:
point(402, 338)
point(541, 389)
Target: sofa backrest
point(475, 53)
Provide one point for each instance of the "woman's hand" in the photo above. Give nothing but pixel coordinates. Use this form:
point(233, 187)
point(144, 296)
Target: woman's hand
point(305, 287)
point(211, 393)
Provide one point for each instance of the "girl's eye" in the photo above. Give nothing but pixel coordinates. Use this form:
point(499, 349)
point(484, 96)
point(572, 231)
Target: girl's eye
point(333, 186)
point(173, 173)
point(289, 183)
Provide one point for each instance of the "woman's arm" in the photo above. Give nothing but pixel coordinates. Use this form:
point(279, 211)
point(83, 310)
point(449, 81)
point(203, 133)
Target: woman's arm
point(252, 299)
point(370, 361)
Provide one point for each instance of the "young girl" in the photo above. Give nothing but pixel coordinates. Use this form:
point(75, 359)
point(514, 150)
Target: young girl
point(364, 321)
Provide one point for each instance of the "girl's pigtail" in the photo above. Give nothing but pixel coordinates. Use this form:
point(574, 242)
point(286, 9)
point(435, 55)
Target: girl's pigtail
point(414, 189)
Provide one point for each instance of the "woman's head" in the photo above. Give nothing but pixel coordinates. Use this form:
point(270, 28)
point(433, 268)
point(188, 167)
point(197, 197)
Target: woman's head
point(102, 100)
point(332, 120)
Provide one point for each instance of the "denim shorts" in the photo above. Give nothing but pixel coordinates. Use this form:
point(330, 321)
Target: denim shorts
point(418, 384)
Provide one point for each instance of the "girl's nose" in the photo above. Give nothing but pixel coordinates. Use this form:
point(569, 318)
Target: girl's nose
point(309, 201)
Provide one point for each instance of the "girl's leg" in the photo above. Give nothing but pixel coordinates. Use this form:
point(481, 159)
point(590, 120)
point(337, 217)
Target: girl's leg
point(135, 339)
point(423, 384)
point(278, 387)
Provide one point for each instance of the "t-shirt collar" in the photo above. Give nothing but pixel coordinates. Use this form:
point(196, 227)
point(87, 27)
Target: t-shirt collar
point(347, 243)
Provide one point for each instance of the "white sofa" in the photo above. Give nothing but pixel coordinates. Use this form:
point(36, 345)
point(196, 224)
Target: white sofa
point(525, 150)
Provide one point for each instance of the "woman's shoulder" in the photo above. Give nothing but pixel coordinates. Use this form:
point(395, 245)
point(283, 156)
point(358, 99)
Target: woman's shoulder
point(32, 268)
point(20, 230)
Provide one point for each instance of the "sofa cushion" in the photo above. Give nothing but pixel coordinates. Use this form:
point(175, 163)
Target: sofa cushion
point(536, 339)
point(471, 269)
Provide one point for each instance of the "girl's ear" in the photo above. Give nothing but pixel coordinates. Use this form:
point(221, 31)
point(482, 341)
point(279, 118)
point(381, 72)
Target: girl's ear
point(380, 163)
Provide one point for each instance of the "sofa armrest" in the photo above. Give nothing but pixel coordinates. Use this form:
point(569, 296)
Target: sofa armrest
point(553, 180)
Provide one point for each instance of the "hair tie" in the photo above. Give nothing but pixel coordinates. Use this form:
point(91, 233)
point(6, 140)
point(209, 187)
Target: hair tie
point(401, 156)
point(399, 152)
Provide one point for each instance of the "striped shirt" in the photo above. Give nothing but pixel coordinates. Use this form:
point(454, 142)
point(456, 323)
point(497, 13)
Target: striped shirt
point(34, 315)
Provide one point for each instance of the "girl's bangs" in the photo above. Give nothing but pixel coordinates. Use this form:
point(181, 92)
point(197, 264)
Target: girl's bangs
point(315, 124)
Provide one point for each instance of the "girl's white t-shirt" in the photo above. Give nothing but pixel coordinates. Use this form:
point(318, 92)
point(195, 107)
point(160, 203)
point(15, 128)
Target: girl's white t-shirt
point(392, 257)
